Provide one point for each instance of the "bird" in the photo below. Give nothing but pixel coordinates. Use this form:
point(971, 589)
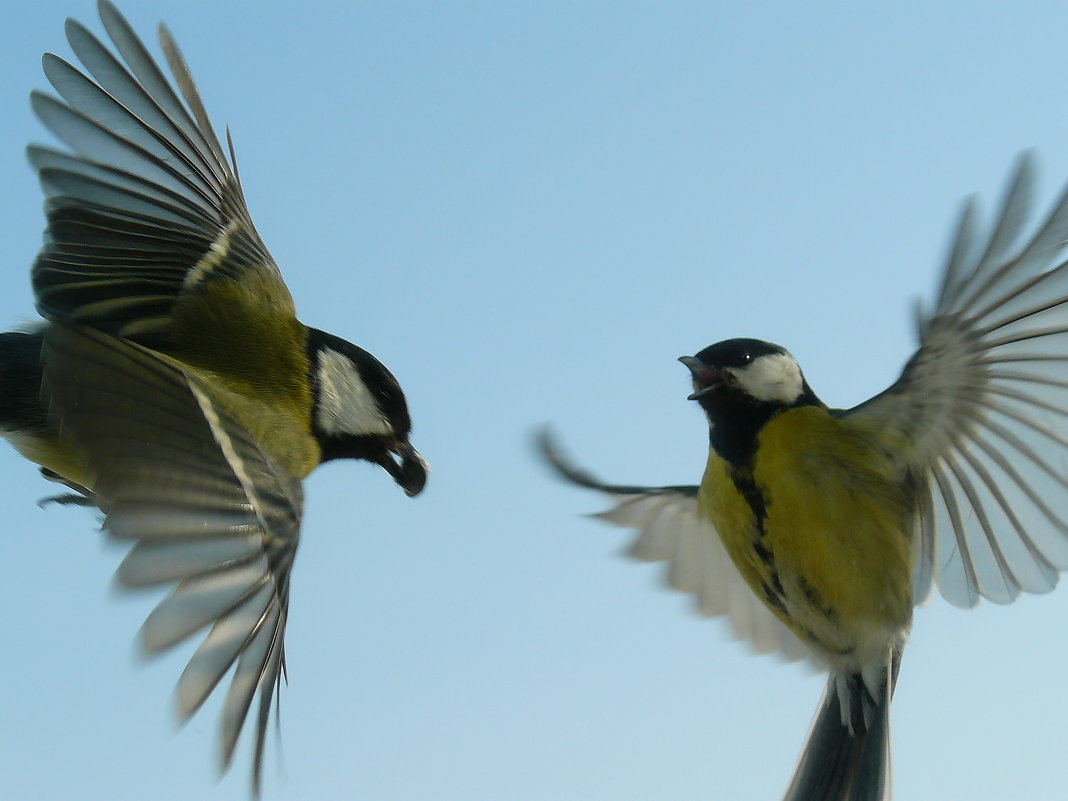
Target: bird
point(169, 382)
point(817, 530)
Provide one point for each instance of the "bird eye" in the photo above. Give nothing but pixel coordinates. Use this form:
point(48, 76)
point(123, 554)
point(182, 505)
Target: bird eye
point(747, 357)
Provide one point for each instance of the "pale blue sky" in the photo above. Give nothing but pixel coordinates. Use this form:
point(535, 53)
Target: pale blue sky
point(528, 211)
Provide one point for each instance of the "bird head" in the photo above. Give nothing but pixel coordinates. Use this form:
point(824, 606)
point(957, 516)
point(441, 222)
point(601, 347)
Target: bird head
point(359, 411)
point(741, 384)
point(745, 369)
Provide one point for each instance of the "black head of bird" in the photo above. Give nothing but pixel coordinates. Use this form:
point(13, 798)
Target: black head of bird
point(360, 411)
point(740, 384)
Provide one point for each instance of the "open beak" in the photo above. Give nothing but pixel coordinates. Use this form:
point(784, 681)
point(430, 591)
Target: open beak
point(705, 379)
point(407, 467)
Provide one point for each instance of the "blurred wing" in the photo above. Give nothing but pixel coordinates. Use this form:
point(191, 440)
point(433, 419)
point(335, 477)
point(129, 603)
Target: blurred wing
point(146, 210)
point(981, 409)
point(205, 507)
point(670, 530)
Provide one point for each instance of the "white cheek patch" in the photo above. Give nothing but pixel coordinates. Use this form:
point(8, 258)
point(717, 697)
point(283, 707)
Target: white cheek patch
point(775, 377)
point(345, 404)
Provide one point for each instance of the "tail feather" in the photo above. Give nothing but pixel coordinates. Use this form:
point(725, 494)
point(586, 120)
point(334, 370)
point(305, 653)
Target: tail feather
point(847, 753)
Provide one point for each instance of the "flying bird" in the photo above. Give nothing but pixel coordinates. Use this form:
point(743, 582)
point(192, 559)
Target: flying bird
point(170, 383)
point(817, 530)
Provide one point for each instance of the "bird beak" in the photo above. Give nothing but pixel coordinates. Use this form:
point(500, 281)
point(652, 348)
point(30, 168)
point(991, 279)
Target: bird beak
point(408, 468)
point(705, 379)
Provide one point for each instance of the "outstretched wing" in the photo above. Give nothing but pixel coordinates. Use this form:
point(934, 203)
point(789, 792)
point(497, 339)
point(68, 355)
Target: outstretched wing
point(670, 530)
point(146, 211)
point(981, 408)
point(205, 507)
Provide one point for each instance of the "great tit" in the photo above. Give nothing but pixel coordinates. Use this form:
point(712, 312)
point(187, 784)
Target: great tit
point(171, 384)
point(816, 530)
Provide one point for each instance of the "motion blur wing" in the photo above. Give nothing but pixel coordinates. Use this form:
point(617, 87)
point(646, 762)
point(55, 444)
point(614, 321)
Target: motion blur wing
point(981, 408)
point(670, 530)
point(146, 210)
point(205, 508)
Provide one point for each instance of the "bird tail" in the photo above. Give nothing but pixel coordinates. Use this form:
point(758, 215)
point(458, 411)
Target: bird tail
point(847, 752)
point(21, 407)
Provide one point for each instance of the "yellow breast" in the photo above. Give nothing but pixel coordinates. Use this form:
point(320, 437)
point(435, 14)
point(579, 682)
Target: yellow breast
point(830, 535)
point(52, 453)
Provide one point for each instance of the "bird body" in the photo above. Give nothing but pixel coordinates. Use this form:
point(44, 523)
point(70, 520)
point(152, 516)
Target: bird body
point(264, 405)
point(818, 518)
point(817, 530)
point(170, 383)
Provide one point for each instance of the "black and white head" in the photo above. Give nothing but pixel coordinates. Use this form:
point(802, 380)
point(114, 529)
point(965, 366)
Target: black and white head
point(745, 381)
point(359, 410)
point(759, 370)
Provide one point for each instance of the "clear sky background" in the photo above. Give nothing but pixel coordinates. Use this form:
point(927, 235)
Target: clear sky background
point(528, 211)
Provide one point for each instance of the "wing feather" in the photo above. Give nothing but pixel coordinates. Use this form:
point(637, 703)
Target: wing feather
point(228, 638)
point(204, 506)
point(952, 560)
point(152, 562)
point(960, 253)
point(980, 406)
point(670, 530)
point(147, 210)
point(198, 601)
point(923, 564)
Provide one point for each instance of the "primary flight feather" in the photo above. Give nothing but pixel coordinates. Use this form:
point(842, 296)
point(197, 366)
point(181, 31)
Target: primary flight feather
point(171, 384)
point(817, 530)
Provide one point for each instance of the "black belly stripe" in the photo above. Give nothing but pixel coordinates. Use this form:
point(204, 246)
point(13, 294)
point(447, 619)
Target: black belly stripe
point(813, 597)
point(741, 474)
point(745, 484)
point(773, 593)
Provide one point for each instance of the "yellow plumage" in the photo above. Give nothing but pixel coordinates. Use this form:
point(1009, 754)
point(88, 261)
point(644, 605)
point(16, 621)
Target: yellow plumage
point(171, 384)
point(840, 520)
point(52, 453)
point(832, 554)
